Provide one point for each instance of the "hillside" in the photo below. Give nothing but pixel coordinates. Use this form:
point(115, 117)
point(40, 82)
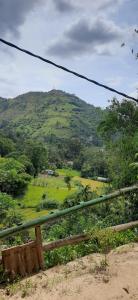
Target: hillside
point(50, 116)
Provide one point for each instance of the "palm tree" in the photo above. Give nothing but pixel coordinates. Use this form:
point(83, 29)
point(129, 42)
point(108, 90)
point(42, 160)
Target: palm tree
point(85, 193)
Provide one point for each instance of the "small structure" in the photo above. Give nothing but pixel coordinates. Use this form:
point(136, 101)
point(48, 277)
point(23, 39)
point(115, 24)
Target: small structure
point(48, 172)
point(69, 163)
point(103, 179)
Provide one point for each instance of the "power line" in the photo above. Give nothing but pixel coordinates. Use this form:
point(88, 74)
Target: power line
point(67, 70)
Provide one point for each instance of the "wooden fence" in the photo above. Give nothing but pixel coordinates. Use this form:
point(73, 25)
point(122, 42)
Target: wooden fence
point(28, 258)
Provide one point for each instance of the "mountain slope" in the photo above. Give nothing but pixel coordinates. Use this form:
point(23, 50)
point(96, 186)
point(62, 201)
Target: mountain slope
point(50, 115)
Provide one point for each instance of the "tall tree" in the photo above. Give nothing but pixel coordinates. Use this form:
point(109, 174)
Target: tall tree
point(119, 129)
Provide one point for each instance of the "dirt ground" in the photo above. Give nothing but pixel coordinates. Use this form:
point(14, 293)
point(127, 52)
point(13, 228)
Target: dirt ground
point(93, 277)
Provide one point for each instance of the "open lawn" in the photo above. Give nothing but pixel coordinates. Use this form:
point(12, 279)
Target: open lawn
point(95, 185)
point(31, 213)
point(54, 188)
point(68, 172)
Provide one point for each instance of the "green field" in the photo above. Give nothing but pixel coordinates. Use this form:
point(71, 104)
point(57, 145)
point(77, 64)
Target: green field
point(55, 189)
point(68, 172)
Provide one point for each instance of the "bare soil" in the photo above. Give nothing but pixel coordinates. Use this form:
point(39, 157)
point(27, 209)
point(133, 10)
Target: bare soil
point(93, 277)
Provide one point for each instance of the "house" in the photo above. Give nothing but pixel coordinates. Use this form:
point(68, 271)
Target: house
point(103, 179)
point(50, 172)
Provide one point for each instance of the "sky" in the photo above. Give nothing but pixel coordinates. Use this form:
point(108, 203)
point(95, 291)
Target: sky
point(85, 36)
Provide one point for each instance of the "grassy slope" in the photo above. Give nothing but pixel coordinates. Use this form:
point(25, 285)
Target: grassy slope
point(55, 189)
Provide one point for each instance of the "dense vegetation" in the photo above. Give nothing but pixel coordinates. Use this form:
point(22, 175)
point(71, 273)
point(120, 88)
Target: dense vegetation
point(119, 130)
point(50, 117)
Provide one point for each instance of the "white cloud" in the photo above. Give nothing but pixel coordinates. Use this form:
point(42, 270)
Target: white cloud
point(84, 36)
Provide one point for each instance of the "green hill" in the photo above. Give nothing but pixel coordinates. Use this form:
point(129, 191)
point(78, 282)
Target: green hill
point(49, 116)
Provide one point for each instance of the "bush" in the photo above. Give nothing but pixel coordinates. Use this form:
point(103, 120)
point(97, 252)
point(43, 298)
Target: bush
point(101, 241)
point(56, 174)
point(83, 194)
point(13, 178)
point(47, 204)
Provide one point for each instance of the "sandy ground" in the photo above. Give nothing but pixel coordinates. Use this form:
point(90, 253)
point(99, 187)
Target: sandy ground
point(92, 277)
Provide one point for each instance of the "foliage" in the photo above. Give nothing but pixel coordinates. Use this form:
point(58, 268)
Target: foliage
point(121, 119)
point(134, 165)
point(84, 193)
point(13, 179)
point(29, 168)
point(69, 111)
point(120, 131)
point(67, 180)
point(47, 204)
point(8, 214)
point(37, 154)
point(101, 241)
point(73, 148)
point(55, 118)
point(94, 163)
point(23, 159)
point(6, 203)
point(6, 145)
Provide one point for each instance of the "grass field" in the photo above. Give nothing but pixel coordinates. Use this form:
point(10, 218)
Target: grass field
point(95, 185)
point(55, 189)
point(68, 172)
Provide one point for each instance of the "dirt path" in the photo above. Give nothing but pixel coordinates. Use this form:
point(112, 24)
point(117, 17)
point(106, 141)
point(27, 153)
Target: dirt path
point(90, 278)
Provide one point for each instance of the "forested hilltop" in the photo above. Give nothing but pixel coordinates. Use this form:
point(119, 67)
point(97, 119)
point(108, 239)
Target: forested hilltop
point(50, 117)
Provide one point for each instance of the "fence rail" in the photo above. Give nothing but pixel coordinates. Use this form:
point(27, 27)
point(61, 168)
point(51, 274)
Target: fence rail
point(76, 239)
point(33, 223)
point(71, 240)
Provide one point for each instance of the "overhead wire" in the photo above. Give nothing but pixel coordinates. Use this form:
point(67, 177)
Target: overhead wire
point(68, 70)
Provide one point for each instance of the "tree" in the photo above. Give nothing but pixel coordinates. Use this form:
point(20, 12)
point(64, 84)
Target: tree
point(29, 168)
point(134, 165)
point(6, 145)
point(8, 215)
point(120, 120)
point(37, 154)
point(133, 49)
point(120, 132)
point(95, 163)
point(85, 193)
point(13, 178)
point(67, 180)
point(73, 147)
point(23, 159)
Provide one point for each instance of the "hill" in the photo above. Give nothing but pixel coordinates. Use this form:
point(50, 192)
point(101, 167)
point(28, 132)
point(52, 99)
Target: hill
point(50, 116)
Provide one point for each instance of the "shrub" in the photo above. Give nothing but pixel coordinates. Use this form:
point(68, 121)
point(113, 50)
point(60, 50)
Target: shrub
point(101, 241)
point(13, 178)
point(47, 204)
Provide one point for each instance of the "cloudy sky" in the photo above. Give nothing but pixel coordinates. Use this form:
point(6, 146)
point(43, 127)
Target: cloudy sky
point(83, 35)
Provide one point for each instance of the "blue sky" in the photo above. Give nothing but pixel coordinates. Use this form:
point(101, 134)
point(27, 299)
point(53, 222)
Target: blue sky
point(83, 35)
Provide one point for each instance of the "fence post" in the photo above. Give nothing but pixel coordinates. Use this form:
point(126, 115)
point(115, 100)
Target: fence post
point(39, 246)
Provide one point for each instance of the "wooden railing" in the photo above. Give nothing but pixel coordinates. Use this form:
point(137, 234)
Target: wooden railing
point(28, 258)
point(76, 239)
